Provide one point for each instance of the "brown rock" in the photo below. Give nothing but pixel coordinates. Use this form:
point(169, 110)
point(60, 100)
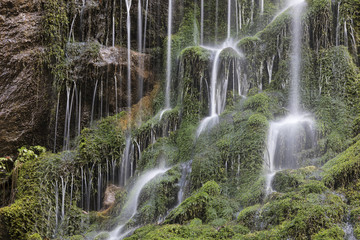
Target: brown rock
point(110, 195)
point(24, 91)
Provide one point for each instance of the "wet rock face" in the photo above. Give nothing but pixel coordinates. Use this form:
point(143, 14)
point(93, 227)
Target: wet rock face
point(24, 89)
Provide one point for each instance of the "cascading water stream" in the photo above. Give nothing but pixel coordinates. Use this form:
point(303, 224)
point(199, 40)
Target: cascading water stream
point(294, 133)
point(126, 169)
point(183, 182)
point(140, 49)
point(168, 63)
point(202, 22)
point(216, 20)
point(229, 20)
point(218, 88)
point(168, 58)
point(130, 208)
point(296, 60)
point(128, 28)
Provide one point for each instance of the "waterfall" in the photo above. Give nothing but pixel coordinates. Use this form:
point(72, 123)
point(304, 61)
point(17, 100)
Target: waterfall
point(261, 7)
point(202, 22)
point(296, 60)
point(145, 24)
point(130, 207)
point(269, 66)
point(196, 29)
point(287, 137)
point(229, 20)
point(240, 16)
point(186, 170)
point(216, 20)
point(218, 88)
point(168, 58)
point(113, 24)
point(346, 40)
point(128, 28)
point(93, 103)
point(126, 170)
point(140, 49)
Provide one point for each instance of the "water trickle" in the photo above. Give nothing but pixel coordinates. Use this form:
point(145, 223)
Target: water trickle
point(126, 163)
point(168, 57)
point(113, 24)
point(346, 40)
point(130, 208)
point(261, 7)
point(269, 66)
point(229, 20)
point(202, 22)
point(184, 181)
point(216, 20)
point(288, 137)
point(296, 60)
point(145, 24)
point(128, 28)
point(93, 103)
point(218, 88)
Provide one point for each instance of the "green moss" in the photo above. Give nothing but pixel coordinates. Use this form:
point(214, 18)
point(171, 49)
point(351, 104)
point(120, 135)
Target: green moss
point(315, 215)
point(76, 237)
point(313, 187)
point(276, 212)
point(253, 193)
point(34, 236)
point(259, 103)
point(20, 217)
point(343, 169)
point(195, 206)
point(332, 233)
point(284, 181)
point(104, 140)
point(55, 23)
point(247, 216)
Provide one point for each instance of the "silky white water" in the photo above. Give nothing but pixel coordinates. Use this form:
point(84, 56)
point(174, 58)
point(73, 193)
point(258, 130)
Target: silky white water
point(130, 208)
point(218, 87)
point(287, 137)
point(168, 58)
point(128, 28)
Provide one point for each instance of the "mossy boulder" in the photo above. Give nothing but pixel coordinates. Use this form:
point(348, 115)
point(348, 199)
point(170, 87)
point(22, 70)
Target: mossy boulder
point(248, 216)
point(284, 181)
point(335, 233)
point(195, 206)
point(343, 169)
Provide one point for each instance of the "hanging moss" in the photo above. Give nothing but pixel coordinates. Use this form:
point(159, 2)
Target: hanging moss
point(54, 36)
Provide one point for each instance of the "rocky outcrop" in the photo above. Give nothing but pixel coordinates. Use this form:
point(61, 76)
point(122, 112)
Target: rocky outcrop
point(24, 90)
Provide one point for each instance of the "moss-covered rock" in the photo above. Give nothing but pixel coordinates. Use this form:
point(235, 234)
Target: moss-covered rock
point(284, 181)
point(343, 169)
point(195, 206)
point(332, 233)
